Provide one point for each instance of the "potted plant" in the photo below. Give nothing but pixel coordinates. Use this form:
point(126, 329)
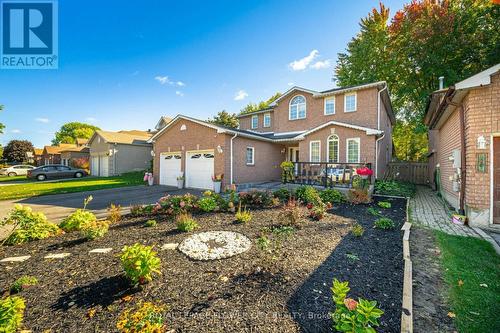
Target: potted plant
point(217, 180)
point(180, 181)
point(364, 173)
point(148, 177)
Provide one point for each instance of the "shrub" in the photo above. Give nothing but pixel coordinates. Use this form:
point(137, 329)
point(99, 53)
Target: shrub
point(357, 196)
point(115, 214)
point(331, 196)
point(186, 223)
point(358, 230)
point(207, 204)
point(146, 317)
point(373, 211)
point(317, 212)
point(22, 283)
point(282, 194)
point(81, 163)
point(384, 204)
point(308, 194)
point(256, 198)
point(11, 314)
point(243, 216)
point(95, 229)
point(395, 187)
point(350, 315)
point(286, 171)
point(290, 214)
point(77, 220)
point(28, 226)
point(176, 204)
point(150, 223)
point(384, 223)
point(140, 263)
point(270, 244)
point(141, 210)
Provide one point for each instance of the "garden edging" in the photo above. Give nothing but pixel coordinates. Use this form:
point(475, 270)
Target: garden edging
point(407, 303)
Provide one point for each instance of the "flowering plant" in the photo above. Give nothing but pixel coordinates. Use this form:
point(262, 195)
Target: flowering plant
point(351, 315)
point(364, 171)
point(217, 177)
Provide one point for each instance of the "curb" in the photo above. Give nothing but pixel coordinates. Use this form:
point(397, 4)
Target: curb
point(407, 303)
point(487, 238)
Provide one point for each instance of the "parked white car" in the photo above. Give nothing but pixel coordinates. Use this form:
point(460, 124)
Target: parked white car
point(16, 170)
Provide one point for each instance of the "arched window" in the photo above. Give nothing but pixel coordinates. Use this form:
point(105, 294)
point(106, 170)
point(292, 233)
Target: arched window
point(333, 149)
point(297, 108)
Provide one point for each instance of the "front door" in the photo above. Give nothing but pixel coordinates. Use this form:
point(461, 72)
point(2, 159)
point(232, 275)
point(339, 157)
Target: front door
point(496, 180)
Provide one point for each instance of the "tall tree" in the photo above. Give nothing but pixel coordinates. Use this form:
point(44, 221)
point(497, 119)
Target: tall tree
point(425, 40)
point(15, 150)
point(225, 118)
point(69, 132)
point(251, 107)
point(2, 126)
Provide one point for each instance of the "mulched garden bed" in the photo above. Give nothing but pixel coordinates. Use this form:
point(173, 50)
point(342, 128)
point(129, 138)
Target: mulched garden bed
point(230, 295)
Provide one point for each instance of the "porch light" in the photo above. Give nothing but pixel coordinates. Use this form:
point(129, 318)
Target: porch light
point(153, 153)
point(481, 142)
point(219, 149)
point(283, 150)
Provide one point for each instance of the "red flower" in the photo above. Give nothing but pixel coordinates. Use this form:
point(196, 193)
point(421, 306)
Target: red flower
point(350, 304)
point(364, 171)
point(309, 206)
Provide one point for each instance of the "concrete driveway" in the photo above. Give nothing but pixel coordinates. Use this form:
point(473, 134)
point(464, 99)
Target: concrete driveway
point(58, 206)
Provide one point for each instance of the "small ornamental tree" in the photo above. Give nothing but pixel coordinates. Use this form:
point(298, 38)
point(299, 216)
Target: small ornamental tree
point(15, 150)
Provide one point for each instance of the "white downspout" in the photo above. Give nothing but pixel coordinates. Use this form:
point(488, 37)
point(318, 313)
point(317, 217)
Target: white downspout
point(231, 158)
point(378, 127)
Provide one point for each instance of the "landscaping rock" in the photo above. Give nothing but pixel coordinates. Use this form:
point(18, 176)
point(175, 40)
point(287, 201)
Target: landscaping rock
point(15, 259)
point(214, 245)
point(104, 250)
point(57, 255)
point(169, 246)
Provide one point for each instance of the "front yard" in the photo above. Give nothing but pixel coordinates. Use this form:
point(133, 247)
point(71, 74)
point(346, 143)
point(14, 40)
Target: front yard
point(31, 189)
point(281, 284)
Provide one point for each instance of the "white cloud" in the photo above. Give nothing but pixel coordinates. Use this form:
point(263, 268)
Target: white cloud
point(15, 131)
point(42, 120)
point(240, 95)
point(320, 64)
point(290, 83)
point(179, 93)
point(90, 119)
point(301, 64)
point(180, 83)
point(162, 79)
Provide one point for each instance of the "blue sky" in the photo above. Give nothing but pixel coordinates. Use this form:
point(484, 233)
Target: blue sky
point(123, 64)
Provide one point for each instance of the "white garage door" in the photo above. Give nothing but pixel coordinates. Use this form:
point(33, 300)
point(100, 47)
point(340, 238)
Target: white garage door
point(94, 167)
point(200, 169)
point(103, 166)
point(170, 168)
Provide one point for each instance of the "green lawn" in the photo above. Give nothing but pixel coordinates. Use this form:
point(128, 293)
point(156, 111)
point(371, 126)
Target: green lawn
point(11, 179)
point(69, 186)
point(476, 302)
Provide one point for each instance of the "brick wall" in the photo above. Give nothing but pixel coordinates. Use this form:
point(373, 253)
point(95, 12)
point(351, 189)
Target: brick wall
point(246, 123)
point(482, 117)
point(449, 140)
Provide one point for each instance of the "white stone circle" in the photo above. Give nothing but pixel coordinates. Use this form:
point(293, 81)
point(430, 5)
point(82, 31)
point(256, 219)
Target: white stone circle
point(213, 245)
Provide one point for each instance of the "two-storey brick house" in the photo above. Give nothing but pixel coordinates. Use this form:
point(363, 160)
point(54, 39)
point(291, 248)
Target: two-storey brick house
point(323, 132)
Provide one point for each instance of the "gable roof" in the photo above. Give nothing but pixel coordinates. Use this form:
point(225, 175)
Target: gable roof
point(81, 141)
point(54, 150)
point(162, 122)
point(80, 149)
point(443, 102)
point(132, 137)
point(269, 137)
point(38, 151)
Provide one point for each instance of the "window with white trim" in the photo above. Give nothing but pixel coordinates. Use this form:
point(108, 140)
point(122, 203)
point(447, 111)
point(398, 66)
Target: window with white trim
point(333, 149)
point(350, 102)
point(329, 105)
point(250, 156)
point(297, 108)
point(315, 151)
point(267, 120)
point(353, 150)
point(255, 121)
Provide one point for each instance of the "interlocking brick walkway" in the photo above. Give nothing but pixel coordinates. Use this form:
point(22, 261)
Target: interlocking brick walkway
point(430, 210)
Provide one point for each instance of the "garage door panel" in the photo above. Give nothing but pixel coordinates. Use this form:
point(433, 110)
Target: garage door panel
point(200, 169)
point(94, 167)
point(103, 166)
point(170, 169)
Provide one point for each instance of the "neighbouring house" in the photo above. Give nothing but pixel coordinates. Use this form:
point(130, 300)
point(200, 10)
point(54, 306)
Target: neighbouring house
point(52, 154)
point(327, 134)
point(114, 153)
point(69, 155)
point(37, 156)
point(464, 146)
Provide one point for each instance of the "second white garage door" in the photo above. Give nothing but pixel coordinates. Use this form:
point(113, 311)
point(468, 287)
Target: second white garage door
point(170, 168)
point(200, 169)
point(103, 166)
point(94, 167)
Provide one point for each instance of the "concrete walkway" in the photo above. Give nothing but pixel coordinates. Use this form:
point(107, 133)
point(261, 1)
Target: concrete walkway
point(429, 210)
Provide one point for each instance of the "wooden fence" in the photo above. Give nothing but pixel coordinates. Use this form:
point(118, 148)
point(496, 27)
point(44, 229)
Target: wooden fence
point(413, 172)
